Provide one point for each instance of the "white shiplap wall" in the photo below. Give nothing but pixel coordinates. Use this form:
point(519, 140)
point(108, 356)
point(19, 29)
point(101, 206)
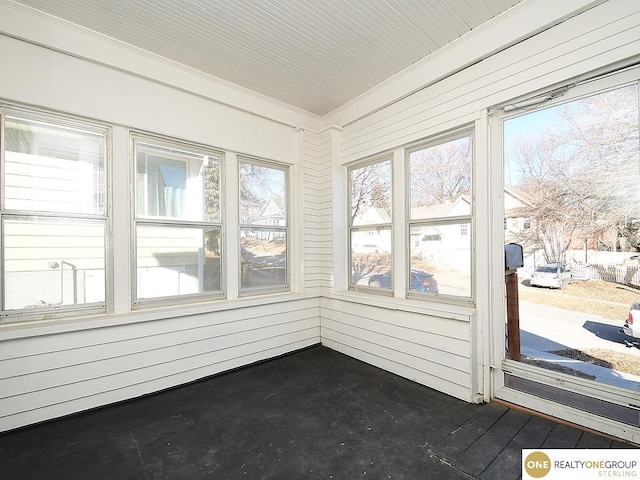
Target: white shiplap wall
point(430, 349)
point(592, 40)
point(52, 373)
point(50, 369)
point(318, 258)
point(57, 369)
point(451, 354)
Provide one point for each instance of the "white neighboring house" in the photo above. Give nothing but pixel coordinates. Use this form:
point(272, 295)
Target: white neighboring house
point(63, 264)
point(372, 240)
point(270, 213)
point(450, 241)
point(515, 224)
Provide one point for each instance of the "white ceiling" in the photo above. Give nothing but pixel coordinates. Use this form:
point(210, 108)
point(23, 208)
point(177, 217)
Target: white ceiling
point(312, 54)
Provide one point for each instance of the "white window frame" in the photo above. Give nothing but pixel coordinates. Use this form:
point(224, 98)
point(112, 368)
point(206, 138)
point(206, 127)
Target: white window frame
point(387, 156)
point(499, 363)
point(157, 221)
point(286, 287)
point(463, 132)
point(64, 310)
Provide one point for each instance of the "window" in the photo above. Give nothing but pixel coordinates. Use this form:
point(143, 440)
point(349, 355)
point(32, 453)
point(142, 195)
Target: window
point(370, 225)
point(53, 217)
point(178, 221)
point(441, 206)
point(264, 223)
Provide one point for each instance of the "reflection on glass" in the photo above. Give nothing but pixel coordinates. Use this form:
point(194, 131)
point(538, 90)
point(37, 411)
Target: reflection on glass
point(262, 195)
point(371, 257)
point(53, 169)
point(263, 258)
point(177, 260)
point(572, 200)
point(53, 262)
point(371, 194)
point(440, 178)
point(177, 184)
point(444, 252)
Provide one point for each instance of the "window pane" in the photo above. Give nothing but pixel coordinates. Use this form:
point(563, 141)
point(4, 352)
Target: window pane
point(371, 194)
point(371, 257)
point(177, 260)
point(53, 262)
point(262, 195)
point(444, 252)
point(53, 169)
point(263, 258)
point(177, 184)
point(440, 178)
point(572, 180)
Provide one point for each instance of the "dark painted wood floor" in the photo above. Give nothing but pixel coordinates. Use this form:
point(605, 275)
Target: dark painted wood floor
point(314, 414)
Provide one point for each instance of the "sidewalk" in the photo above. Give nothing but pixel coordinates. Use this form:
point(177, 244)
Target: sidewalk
point(602, 374)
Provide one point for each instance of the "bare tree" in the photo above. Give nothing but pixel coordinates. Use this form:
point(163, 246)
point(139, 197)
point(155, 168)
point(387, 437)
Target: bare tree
point(583, 176)
point(370, 188)
point(440, 173)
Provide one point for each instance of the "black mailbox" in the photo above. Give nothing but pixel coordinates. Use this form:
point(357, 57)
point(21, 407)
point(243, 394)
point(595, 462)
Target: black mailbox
point(513, 256)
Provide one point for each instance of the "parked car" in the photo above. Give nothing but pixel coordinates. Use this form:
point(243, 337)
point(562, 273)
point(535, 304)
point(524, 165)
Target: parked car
point(421, 281)
point(552, 276)
point(632, 325)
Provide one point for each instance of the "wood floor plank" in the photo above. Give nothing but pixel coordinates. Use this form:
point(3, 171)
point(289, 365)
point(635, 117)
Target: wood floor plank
point(590, 440)
point(562, 436)
point(482, 453)
point(461, 439)
point(507, 465)
point(313, 414)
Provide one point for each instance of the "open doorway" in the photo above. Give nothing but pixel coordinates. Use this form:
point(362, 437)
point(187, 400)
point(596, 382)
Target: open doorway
point(572, 201)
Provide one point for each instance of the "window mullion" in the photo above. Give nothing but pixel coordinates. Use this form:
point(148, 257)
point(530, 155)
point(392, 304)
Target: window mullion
point(232, 218)
point(398, 237)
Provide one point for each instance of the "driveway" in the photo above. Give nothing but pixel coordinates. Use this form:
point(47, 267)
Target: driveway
point(544, 329)
point(549, 328)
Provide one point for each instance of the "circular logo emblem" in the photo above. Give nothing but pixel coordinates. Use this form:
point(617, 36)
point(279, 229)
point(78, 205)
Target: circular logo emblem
point(537, 464)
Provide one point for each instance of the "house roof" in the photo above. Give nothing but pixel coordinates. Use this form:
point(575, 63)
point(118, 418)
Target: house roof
point(314, 55)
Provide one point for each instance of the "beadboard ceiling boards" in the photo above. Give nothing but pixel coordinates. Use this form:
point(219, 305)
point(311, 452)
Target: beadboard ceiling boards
point(311, 54)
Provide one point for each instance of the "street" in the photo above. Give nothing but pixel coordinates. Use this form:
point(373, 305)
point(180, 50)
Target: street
point(545, 329)
point(549, 328)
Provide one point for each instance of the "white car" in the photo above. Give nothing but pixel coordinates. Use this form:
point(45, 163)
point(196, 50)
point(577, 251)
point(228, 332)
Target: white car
point(632, 325)
point(552, 276)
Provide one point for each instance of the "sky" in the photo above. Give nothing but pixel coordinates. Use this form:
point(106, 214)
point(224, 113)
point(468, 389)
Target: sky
point(529, 123)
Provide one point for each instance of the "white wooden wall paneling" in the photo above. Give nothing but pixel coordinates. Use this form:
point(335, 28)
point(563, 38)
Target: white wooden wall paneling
point(110, 371)
point(521, 22)
point(54, 373)
point(318, 210)
point(431, 326)
point(71, 351)
point(596, 38)
point(428, 349)
point(20, 23)
point(65, 400)
point(78, 87)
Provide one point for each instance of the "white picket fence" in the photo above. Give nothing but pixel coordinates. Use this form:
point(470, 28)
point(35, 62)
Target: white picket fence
point(610, 273)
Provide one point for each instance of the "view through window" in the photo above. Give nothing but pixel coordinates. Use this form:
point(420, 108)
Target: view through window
point(263, 226)
point(572, 200)
point(178, 220)
point(370, 225)
point(440, 216)
point(54, 217)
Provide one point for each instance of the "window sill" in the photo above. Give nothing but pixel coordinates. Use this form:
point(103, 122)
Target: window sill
point(12, 331)
point(450, 311)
